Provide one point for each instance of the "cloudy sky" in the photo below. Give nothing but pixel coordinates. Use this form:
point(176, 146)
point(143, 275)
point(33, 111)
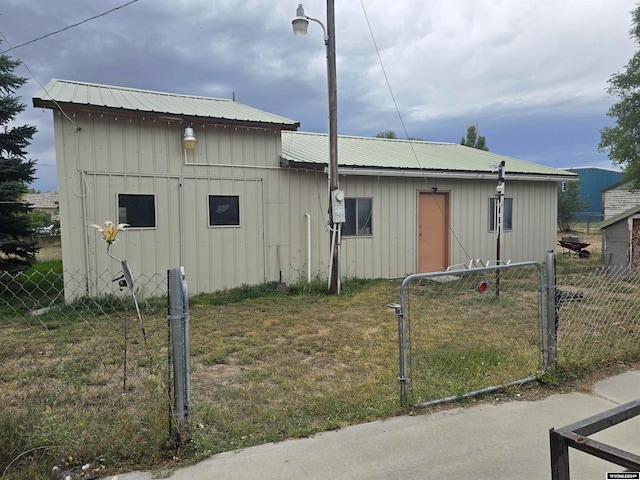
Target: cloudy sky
point(532, 74)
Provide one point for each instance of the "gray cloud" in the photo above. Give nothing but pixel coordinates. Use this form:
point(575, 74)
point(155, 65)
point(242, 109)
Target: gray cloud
point(532, 73)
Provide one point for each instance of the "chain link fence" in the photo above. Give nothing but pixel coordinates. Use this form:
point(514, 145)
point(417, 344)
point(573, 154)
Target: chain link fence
point(598, 317)
point(80, 386)
point(470, 330)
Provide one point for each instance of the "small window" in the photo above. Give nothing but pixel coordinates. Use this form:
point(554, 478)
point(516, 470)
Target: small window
point(507, 217)
point(358, 215)
point(224, 210)
point(137, 210)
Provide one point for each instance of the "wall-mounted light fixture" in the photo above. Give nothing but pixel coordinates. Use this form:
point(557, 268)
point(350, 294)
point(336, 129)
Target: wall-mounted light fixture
point(189, 139)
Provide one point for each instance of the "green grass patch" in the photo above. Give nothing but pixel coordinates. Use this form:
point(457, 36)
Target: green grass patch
point(270, 364)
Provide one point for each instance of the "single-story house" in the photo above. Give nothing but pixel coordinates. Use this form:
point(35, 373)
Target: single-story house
point(44, 201)
point(621, 239)
point(618, 198)
point(248, 202)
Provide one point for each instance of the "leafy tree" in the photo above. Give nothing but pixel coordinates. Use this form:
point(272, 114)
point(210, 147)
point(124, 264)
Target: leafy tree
point(569, 204)
point(17, 247)
point(387, 134)
point(44, 223)
point(392, 135)
point(622, 141)
point(474, 140)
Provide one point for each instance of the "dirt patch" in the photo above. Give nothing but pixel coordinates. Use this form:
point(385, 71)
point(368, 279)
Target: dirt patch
point(206, 380)
point(50, 249)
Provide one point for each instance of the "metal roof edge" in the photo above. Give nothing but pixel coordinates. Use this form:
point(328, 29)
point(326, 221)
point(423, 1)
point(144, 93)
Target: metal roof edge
point(43, 99)
point(53, 81)
point(591, 168)
point(195, 119)
point(620, 216)
point(377, 139)
point(443, 174)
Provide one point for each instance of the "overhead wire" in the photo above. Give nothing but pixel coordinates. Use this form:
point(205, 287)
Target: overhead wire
point(395, 103)
point(75, 125)
point(69, 27)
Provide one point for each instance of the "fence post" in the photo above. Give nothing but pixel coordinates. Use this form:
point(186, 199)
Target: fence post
point(179, 348)
point(402, 352)
point(550, 319)
point(187, 341)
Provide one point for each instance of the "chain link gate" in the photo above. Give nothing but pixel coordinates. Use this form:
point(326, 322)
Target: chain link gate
point(473, 330)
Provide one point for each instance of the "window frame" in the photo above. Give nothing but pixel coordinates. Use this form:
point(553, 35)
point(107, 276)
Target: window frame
point(369, 223)
point(131, 226)
point(508, 220)
point(223, 225)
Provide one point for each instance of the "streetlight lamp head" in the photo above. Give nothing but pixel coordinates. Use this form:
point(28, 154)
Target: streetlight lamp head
point(300, 23)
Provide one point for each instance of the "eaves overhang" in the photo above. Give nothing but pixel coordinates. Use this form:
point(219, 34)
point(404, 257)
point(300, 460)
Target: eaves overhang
point(416, 173)
point(169, 117)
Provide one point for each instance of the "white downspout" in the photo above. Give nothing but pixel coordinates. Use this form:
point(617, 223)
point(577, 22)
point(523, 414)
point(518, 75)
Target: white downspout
point(308, 247)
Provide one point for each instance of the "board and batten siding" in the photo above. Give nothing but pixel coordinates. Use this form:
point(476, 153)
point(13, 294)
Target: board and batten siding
point(100, 157)
point(108, 156)
point(391, 252)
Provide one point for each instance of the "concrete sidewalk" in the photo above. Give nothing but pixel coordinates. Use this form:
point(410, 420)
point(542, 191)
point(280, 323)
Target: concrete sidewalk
point(504, 441)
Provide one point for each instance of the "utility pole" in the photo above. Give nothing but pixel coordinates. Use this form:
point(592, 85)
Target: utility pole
point(499, 216)
point(335, 198)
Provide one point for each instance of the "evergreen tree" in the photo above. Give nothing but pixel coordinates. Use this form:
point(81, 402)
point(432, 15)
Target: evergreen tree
point(474, 140)
point(622, 141)
point(17, 247)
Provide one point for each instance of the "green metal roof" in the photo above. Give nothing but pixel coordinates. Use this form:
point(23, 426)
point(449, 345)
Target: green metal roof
point(409, 158)
point(122, 100)
point(621, 216)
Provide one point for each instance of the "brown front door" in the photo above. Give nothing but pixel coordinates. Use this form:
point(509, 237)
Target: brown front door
point(635, 243)
point(433, 231)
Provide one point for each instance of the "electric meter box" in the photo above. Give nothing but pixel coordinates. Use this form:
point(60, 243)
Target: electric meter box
point(338, 206)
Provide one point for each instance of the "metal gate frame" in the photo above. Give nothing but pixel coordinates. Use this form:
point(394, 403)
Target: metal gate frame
point(546, 291)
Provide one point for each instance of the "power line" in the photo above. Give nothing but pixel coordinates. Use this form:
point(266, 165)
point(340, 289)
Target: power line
point(70, 26)
point(375, 45)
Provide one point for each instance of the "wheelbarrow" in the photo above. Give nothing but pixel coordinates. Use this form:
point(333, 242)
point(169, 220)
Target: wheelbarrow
point(576, 246)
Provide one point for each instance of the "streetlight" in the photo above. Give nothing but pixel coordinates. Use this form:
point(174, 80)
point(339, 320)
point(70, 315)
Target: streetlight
point(336, 198)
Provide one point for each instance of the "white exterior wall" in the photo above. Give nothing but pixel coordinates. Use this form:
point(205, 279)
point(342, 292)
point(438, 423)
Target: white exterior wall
point(123, 155)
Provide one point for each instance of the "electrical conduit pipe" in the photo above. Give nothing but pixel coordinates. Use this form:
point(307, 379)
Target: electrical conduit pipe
point(308, 247)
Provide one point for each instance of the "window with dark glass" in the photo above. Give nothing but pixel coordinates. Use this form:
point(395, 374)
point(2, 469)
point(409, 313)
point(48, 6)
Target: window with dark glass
point(137, 210)
point(358, 216)
point(507, 214)
point(224, 210)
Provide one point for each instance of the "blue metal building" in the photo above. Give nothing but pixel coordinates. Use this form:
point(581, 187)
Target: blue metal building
point(592, 181)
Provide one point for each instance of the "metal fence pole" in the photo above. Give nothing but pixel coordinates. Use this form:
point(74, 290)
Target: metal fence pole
point(402, 352)
point(178, 346)
point(550, 329)
point(187, 341)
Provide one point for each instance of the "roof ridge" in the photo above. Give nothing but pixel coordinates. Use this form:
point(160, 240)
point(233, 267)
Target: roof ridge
point(360, 137)
point(140, 90)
